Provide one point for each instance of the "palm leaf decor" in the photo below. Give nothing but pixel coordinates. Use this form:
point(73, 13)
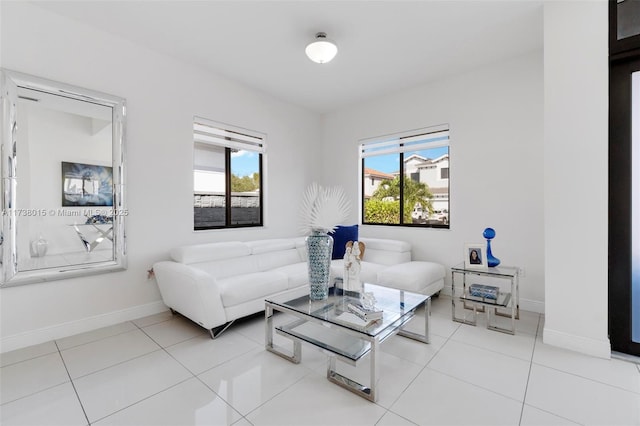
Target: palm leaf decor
point(323, 208)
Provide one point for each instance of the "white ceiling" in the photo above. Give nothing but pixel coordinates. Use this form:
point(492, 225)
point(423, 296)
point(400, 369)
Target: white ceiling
point(383, 46)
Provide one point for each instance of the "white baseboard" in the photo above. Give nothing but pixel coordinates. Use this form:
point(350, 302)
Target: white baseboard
point(525, 304)
point(532, 305)
point(34, 337)
point(593, 347)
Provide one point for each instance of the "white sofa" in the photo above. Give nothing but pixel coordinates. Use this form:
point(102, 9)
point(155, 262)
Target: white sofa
point(214, 284)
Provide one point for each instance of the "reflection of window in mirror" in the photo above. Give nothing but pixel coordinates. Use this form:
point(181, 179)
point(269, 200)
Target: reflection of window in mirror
point(73, 186)
point(90, 186)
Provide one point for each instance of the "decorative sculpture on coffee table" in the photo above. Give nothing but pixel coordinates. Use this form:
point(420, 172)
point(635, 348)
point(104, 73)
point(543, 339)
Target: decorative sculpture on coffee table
point(353, 286)
point(322, 210)
point(489, 234)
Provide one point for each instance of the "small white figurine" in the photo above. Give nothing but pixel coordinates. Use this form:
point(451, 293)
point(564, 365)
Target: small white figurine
point(352, 259)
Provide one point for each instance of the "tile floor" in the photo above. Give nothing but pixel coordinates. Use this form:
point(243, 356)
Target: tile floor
point(164, 370)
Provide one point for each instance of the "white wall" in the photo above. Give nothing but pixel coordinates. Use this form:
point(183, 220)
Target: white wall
point(162, 97)
point(576, 177)
point(527, 165)
point(495, 114)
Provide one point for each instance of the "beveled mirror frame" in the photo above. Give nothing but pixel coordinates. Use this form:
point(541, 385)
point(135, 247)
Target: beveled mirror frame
point(10, 81)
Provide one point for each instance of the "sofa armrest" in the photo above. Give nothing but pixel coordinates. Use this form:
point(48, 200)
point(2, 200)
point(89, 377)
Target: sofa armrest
point(190, 291)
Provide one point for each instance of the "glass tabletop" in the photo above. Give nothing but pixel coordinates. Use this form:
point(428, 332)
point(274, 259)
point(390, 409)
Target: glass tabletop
point(502, 299)
point(397, 306)
point(505, 271)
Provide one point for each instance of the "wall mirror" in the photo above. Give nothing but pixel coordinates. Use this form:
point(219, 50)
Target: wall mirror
point(63, 207)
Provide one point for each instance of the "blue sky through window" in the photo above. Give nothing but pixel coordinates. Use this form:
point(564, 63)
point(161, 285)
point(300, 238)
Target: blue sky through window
point(244, 163)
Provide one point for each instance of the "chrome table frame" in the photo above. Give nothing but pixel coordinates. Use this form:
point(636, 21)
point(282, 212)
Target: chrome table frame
point(512, 299)
point(368, 392)
point(89, 246)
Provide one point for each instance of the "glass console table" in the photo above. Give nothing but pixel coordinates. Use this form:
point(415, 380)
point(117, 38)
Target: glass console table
point(507, 303)
point(319, 323)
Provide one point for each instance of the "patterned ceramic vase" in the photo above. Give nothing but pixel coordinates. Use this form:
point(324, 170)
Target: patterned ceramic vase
point(319, 250)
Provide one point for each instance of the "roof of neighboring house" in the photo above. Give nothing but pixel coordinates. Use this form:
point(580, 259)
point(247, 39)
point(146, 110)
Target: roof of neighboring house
point(431, 162)
point(377, 174)
point(441, 158)
point(417, 157)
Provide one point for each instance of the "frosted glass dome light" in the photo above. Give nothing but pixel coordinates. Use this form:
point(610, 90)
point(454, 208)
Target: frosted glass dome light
point(321, 50)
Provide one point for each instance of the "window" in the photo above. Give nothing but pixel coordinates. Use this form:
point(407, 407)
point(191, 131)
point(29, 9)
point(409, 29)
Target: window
point(405, 178)
point(227, 176)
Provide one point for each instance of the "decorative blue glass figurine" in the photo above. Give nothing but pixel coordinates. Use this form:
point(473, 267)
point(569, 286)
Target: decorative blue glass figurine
point(489, 234)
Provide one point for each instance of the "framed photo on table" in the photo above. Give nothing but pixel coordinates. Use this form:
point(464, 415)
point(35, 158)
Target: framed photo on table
point(475, 256)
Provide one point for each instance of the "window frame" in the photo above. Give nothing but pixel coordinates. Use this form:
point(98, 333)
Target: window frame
point(225, 132)
point(397, 143)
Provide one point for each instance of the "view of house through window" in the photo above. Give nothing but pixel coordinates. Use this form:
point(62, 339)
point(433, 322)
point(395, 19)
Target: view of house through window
point(405, 178)
point(227, 176)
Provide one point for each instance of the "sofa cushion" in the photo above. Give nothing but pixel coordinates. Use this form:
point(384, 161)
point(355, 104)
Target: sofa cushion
point(297, 274)
point(387, 245)
point(265, 246)
point(301, 247)
point(341, 235)
point(249, 264)
point(276, 259)
point(368, 272)
point(209, 252)
point(412, 276)
point(221, 269)
point(243, 288)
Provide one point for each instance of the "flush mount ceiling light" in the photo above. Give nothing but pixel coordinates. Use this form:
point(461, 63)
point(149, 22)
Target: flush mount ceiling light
point(321, 50)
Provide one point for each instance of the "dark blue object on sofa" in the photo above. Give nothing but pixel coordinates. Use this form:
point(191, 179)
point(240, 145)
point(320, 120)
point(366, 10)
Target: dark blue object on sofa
point(341, 235)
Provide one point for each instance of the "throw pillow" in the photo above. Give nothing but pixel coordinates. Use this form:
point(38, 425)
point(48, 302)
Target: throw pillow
point(341, 235)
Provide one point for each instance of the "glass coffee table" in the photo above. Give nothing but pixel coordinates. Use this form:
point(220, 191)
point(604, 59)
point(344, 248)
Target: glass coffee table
point(321, 324)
